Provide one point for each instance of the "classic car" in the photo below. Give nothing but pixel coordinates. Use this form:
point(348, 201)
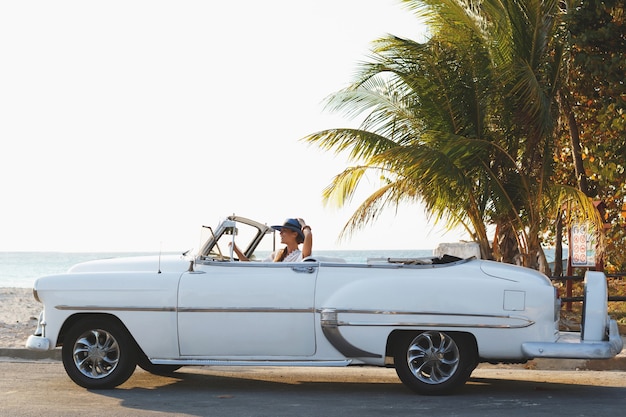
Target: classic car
point(433, 319)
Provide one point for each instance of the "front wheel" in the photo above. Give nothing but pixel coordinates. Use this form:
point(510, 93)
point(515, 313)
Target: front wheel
point(98, 353)
point(434, 362)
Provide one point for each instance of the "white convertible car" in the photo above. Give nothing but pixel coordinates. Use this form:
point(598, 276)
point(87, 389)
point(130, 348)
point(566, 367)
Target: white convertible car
point(432, 319)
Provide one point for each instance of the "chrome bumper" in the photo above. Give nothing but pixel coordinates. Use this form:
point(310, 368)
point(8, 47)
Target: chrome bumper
point(570, 346)
point(38, 343)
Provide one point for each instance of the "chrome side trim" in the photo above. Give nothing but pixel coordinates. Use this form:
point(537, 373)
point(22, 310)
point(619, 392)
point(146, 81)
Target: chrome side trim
point(224, 362)
point(121, 308)
point(524, 322)
point(436, 325)
point(244, 310)
point(333, 335)
point(189, 309)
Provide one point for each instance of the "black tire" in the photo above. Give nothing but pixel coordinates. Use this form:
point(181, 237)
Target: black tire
point(98, 353)
point(434, 362)
point(145, 364)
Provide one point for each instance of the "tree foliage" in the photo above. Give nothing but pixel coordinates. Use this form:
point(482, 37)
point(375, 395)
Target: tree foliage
point(466, 123)
point(596, 75)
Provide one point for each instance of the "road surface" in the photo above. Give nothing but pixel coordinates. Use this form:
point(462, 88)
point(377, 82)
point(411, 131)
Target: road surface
point(38, 388)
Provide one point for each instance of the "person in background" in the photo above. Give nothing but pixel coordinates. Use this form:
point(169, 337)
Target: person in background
point(293, 232)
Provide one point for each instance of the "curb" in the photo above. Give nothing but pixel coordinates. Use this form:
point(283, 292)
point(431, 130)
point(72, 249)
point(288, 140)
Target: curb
point(617, 363)
point(25, 354)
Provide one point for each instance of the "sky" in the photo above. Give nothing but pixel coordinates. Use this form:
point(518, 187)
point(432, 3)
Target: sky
point(127, 125)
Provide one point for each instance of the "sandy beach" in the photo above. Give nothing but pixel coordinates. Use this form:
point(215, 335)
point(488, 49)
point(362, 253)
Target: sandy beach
point(18, 316)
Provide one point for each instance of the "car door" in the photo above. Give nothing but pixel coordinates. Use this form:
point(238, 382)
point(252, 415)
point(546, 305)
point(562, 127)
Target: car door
point(247, 309)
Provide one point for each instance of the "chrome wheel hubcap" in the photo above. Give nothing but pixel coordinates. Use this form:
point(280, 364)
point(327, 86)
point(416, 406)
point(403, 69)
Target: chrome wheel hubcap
point(96, 353)
point(433, 357)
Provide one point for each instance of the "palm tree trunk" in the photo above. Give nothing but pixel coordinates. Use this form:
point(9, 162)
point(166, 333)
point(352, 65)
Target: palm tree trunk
point(509, 251)
point(558, 246)
point(579, 169)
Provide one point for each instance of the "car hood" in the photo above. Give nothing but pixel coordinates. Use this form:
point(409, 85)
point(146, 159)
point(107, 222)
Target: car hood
point(164, 263)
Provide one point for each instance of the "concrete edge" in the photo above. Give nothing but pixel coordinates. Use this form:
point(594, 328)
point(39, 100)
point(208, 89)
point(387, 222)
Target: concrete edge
point(25, 354)
point(614, 364)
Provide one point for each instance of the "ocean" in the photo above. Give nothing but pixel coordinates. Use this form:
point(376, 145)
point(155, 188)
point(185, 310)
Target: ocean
point(21, 269)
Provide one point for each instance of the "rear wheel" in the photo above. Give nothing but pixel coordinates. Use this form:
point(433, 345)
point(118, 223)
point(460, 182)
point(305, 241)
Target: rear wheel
point(434, 362)
point(98, 353)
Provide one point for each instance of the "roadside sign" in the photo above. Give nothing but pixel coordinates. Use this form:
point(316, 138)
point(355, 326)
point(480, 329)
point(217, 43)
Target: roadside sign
point(583, 245)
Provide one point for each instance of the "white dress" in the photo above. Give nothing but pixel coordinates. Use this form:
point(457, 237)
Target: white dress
point(295, 256)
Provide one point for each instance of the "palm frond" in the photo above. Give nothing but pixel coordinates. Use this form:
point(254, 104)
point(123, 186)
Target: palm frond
point(389, 195)
point(344, 185)
point(360, 144)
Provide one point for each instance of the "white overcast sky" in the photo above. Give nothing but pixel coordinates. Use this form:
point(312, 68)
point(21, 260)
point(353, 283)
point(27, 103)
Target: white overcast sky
point(126, 125)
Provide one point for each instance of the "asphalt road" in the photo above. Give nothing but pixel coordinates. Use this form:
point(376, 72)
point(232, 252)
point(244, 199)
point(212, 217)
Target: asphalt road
point(36, 388)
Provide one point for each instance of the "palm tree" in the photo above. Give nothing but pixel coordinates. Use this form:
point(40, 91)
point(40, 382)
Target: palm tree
point(462, 123)
point(412, 132)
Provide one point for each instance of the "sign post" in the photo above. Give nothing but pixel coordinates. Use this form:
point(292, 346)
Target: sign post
point(582, 252)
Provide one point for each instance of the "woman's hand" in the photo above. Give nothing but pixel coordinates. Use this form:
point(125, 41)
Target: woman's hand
point(303, 224)
point(307, 247)
point(240, 254)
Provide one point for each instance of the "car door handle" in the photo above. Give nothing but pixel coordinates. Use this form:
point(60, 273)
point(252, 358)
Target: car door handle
point(303, 269)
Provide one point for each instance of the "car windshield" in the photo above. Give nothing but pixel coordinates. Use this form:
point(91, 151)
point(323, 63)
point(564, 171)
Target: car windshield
point(253, 239)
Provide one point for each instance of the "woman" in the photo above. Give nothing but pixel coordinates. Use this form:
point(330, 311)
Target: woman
point(292, 233)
